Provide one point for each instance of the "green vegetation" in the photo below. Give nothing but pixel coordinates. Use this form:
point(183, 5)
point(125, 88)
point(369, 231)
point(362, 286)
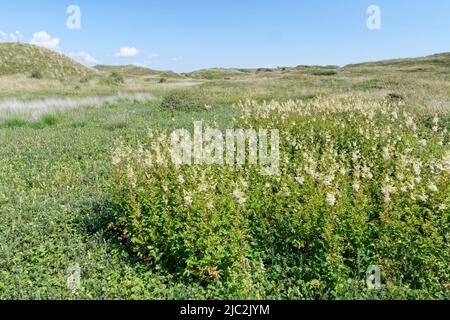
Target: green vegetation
point(357, 187)
point(129, 70)
point(324, 72)
point(36, 75)
point(186, 100)
point(215, 74)
point(115, 79)
point(24, 58)
point(363, 181)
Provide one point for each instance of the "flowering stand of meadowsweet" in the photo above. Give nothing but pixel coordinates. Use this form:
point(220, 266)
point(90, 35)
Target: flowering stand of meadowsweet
point(361, 183)
point(179, 218)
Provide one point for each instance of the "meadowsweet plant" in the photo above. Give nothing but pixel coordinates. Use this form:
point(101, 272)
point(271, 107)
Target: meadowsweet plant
point(360, 182)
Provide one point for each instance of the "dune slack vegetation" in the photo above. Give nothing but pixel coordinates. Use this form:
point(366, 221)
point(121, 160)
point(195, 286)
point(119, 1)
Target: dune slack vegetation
point(362, 182)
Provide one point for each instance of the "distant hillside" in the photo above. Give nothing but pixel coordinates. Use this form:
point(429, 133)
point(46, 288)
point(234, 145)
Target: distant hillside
point(436, 60)
point(19, 58)
point(128, 70)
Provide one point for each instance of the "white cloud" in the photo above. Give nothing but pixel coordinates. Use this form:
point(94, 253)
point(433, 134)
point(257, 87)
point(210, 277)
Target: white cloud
point(127, 52)
point(84, 56)
point(10, 37)
point(43, 39)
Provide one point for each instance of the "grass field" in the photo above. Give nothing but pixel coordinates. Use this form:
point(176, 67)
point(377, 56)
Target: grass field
point(363, 181)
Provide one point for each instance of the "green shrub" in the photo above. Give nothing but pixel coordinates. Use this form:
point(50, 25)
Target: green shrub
point(13, 122)
point(184, 100)
point(36, 75)
point(394, 97)
point(49, 120)
point(114, 79)
point(356, 188)
point(202, 237)
point(264, 70)
point(324, 72)
point(45, 121)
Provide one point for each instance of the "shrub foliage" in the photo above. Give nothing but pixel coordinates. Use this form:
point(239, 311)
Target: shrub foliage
point(361, 183)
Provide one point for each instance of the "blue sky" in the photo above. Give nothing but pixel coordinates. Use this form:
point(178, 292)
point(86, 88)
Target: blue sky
point(188, 35)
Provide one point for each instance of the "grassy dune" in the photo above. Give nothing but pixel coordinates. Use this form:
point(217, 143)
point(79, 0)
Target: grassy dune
point(28, 59)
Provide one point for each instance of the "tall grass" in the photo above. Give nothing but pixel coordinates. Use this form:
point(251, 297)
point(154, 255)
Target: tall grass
point(34, 109)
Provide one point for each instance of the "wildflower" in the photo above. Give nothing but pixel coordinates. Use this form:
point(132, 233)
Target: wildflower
point(244, 183)
point(423, 142)
point(131, 177)
point(435, 120)
point(446, 163)
point(386, 155)
point(432, 187)
point(387, 191)
point(423, 197)
point(366, 173)
point(417, 167)
point(409, 122)
point(148, 160)
point(356, 186)
point(239, 197)
point(300, 180)
point(203, 187)
point(331, 199)
point(180, 179)
point(188, 200)
point(117, 157)
point(355, 156)
point(328, 181)
point(311, 172)
point(140, 150)
point(394, 115)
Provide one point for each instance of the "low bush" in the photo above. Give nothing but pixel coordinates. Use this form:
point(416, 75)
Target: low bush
point(114, 79)
point(36, 75)
point(186, 100)
point(324, 72)
point(360, 184)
